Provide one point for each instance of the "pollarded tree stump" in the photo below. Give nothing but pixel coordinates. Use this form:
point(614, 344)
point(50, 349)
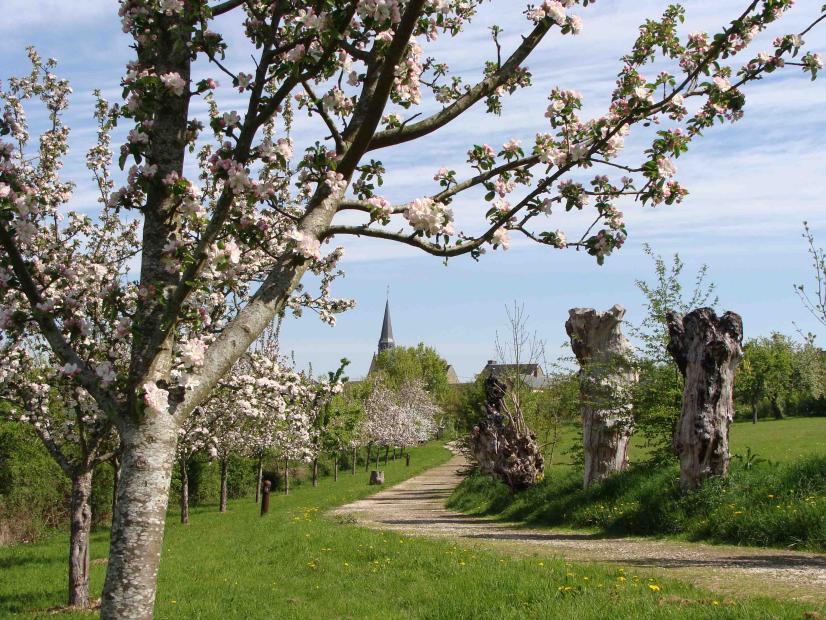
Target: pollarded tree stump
point(707, 350)
point(606, 377)
point(502, 444)
point(376, 477)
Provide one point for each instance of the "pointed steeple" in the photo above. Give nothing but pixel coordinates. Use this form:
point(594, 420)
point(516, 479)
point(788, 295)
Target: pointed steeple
point(386, 340)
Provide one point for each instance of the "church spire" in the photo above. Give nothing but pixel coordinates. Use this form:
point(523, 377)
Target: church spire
point(386, 340)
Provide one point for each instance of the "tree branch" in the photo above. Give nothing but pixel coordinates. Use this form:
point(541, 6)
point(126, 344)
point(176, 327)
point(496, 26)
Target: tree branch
point(482, 89)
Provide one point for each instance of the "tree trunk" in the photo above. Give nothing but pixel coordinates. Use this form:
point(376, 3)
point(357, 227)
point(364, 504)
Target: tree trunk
point(182, 463)
point(378, 456)
point(753, 413)
point(777, 412)
point(315, 472)
point(148, 451)
point(394, 454)
point(115, 479)
point(707, 350)
point(335, 467)
point(286, 477)
point(376, 477)
point(386, 453)
point(260, 478)
point(367, 462)
point(355, 456)
point(80, 529)
point(605, 380)
point(222, 507)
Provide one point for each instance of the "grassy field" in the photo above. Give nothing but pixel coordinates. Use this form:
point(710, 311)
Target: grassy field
point(299, 563)
point(780, 441)
point(776, 498)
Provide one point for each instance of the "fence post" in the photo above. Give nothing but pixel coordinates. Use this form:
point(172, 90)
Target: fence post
point(265, 497)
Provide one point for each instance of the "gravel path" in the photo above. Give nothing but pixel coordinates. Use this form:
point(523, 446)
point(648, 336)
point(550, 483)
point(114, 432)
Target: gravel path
point(417, 506)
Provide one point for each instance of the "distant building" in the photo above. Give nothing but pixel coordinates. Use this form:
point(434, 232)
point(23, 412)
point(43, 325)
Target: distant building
point(387, 341)
point(531, 375)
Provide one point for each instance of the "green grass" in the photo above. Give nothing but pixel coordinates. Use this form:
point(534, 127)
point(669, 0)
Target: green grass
point(776, 440)
point(777, 500)
point(299, 563)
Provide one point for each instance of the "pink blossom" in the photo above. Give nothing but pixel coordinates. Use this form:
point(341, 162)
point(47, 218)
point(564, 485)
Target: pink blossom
point(155, 398)
point(174, 83)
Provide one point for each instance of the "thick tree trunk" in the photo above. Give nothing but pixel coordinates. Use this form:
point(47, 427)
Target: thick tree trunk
point(707, 350)
point(754, 413)
point(315, 472)
point(222, 507)
point(376, 477)
point(80, 529)
point(259, 478)
point(355, 457)
point(286, 477)
point(148, 451)
point(605, 380)
point(182, 463)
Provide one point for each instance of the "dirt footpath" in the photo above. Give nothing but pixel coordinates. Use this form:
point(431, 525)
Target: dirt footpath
point(417, 506)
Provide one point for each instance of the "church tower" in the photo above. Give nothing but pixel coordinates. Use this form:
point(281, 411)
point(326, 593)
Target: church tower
point(386, 340)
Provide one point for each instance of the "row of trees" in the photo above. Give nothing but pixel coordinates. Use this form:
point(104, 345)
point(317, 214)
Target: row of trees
point(262, 409)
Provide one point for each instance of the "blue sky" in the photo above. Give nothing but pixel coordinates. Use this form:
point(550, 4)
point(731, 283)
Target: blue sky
point(752, 184)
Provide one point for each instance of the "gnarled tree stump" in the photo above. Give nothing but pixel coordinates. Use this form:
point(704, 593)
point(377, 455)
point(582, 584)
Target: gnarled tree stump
point(376, 477)
point(502, 444)
point(707, 350)
point(605, 380)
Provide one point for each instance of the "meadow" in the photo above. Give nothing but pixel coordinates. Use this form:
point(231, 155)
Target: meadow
point(774, 496)
point(298, 562)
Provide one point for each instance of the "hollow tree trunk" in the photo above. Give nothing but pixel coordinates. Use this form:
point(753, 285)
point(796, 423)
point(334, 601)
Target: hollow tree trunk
point(605, 380)
point(148, 451)
point(315, 472)
point(259, 478)
point(286, 477)
point(79, 532)
point(182, 463)
point(707, 350)
point(355, 456)
point(222, 505)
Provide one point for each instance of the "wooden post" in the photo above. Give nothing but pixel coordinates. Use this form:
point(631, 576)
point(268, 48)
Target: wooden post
point(265, 497)
point(407, 459)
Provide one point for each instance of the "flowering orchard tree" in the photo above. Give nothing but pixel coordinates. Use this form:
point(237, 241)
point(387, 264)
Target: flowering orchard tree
point(193, 436)
point(229, 226)
point(75, 433)
point(400, 418)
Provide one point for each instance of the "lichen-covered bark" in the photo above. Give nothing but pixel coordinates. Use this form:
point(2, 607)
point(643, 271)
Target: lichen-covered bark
point(502, 444)
point(140, 513)
point(81, 527)
point(707, 350)
point(606, 377)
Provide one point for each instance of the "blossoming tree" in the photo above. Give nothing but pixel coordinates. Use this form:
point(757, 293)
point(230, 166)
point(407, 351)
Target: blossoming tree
point(228, 232)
